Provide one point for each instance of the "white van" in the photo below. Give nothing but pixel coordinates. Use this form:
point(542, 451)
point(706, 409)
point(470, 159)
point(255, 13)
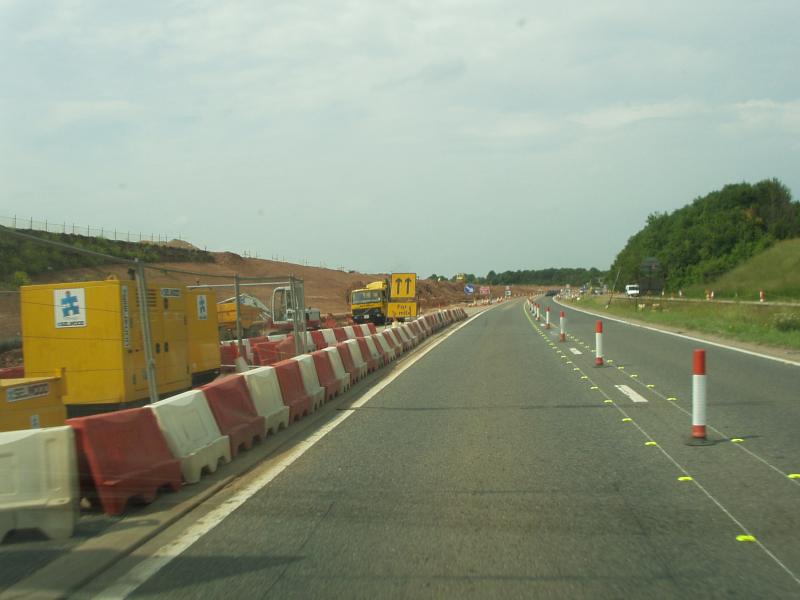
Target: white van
point(632, 290)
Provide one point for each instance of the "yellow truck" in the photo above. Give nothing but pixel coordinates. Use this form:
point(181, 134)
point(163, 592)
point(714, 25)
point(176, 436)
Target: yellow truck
point(370, 304)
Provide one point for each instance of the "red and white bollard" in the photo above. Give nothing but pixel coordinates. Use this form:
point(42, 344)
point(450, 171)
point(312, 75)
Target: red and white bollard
point(563, 325)
point(547, 318)
point(598, 344)
point(761, 296)
point(536, 307)
point(699, 396)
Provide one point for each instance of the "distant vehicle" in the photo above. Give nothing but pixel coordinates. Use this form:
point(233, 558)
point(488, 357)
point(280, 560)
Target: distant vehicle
point(632, 290)
point(370, 304)
point(551, 293)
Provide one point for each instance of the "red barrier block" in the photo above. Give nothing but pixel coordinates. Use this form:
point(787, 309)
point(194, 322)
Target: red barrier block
point(359, 330)
point(292, 389)
point(319, 339)
point(266, 353)
point(349, 364)
point(373, 330)
point(340, 333)
point(12, 373)
point(325, 374)
point(366, 354)
point(286, 348)
point(227, 354)
point(123, 456)
point(233, 409)
point(398, 347)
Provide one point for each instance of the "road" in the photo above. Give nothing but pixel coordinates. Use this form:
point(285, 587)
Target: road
point(503, 464)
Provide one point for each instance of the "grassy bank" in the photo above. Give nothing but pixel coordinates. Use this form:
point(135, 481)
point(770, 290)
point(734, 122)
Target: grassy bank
point(777, 326)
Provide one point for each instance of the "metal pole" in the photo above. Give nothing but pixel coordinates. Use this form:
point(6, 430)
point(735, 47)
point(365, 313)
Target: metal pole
point(144, 315)
point(236, 290)
point(299, 316)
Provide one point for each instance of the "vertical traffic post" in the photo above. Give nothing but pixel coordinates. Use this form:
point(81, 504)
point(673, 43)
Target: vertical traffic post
point(598, 344)
point(547, 318)
point(761, 297)
point(536, 306)
point(563, 325)
point(699, 395)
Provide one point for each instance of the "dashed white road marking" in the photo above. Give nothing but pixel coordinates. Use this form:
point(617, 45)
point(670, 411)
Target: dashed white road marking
point(633, 395)
point(575, 351)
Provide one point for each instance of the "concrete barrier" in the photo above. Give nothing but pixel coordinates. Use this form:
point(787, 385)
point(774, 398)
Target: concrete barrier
point(339, 370)
point(192, 434)
point(265, 391)
point(355, 367)
point(39, 481)
point(121, 456)
point(233, 409)
point(311, 380)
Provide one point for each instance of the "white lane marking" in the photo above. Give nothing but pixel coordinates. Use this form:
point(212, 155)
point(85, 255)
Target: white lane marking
point(575, 351)
point(633, 395)
point(681, 335)
point(151, 565)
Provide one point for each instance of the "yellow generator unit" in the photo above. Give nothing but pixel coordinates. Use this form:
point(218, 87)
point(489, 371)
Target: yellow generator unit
point(31, 403)
point(203, 330)
point(92, 330)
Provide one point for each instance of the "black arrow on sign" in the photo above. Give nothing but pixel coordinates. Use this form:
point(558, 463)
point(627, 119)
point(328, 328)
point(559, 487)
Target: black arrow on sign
point(408, 286)
point(399, 283)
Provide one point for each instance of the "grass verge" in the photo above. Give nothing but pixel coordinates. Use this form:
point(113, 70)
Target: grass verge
point(777, 326)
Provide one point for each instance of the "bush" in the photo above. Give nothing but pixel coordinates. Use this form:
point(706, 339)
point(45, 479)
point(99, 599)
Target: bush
point(21, 278)
point(786, 321)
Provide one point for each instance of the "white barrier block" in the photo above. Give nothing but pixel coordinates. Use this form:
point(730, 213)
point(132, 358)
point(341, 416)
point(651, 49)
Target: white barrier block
point(338, 368)
point(400, 346)
point(311, 380)
point(406, 339)
point(373, 350)
point(329, 336)
point(350, 332)
point(266, 394)
point(39, 481)
point(365, 329)
point(310, 344)
point(192, 433)
point(410, 333)
point(358, 358)
point(384, 344)
point(277, 337)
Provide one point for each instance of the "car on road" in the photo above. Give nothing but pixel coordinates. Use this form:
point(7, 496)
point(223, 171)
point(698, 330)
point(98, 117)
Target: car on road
point(632, 290)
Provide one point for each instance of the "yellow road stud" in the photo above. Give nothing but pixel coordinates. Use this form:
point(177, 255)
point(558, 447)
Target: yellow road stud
point(685, 478)
point(745, 538)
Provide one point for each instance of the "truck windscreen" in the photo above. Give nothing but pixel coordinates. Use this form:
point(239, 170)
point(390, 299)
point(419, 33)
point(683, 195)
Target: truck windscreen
point(363, 297)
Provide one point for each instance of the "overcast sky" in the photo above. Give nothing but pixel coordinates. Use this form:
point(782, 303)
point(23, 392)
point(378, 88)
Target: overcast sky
point(426, 135)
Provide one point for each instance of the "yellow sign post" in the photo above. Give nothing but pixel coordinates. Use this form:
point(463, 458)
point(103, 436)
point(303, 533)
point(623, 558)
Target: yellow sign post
point(404, 285)
point(402, 310)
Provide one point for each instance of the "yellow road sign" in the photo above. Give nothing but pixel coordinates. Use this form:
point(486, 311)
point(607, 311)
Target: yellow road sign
point(404, 285)
point(402, 310)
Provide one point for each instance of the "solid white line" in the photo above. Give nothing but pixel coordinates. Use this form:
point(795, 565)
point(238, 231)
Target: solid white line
point(633, 395)
point(146, 569)
point(575, 351)
point(681, 335)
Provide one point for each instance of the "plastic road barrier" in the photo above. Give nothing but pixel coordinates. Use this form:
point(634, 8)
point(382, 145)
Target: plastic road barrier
point(371, 328)
point(234, 411)
point(265, 391)
point(327, 379)
point(394, 342)
point(383, 356)
point(192, 434)
point(340, 334)
point(121, 456)
point(39, 481)
point(356, 367)
point(227, 354)
point(699, 395)
point(410, 333)
point(360, 330)
point(383, 344)
point(319, 339)
point(339, 371)
point(293, 391)
point(329, 336)
point(361, 360)
point(404, 337)
point(350, 332)
point(310, 380)
point(12, 373)
point(370, 353)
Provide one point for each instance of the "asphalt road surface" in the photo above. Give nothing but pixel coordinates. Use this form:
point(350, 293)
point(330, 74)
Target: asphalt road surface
point(503, 464)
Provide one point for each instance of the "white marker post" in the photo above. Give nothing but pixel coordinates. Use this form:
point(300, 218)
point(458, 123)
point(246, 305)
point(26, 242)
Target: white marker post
point(598, 344)
point(761, 297)
point(699, 396)
point(547, 318)
point(563, 324)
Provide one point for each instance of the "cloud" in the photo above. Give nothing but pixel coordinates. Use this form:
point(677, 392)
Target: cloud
point(767, 114)
point(616, 116)
point(64, 113)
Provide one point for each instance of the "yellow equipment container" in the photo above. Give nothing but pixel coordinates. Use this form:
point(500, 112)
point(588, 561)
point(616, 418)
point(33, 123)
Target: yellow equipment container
point(92, 330)
point(203, 330)
point(31, 403)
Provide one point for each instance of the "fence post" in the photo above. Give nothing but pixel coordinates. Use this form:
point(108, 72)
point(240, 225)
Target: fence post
point(236, 291)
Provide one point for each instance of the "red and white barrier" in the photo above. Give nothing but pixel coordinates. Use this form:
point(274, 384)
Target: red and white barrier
point(761, 296)
point(598, 344)
point(563, 325)
point(547, 318)
point(699, 395)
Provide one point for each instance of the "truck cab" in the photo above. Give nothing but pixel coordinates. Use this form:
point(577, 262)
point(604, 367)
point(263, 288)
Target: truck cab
point(371, 303)
point(632, 290)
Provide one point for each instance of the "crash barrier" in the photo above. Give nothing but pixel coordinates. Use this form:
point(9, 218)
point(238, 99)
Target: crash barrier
point(329, 336)
point(362, 330)
point(227, 354)
point(234, 411)
point(340, 334)
point(404, 337)
point(39, 485)
point(372, 328)
point(369, 350)
point(393, 340)
point(382, 344)
point(192, 433)
point(339, 371)
point(293, 390)
point(319, 339)
point(359, 359)
point(265, 392)
point(383, 356)
point(352, 362)
point(349, 330)
point(327, 379)
point(308, 372)
point(123, 456)
point(366, 354)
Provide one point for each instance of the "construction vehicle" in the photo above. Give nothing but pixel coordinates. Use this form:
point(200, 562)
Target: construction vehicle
point(371, 304)
point(259, 319)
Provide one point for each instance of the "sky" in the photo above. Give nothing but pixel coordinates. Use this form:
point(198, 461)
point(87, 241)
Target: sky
point(432, 136)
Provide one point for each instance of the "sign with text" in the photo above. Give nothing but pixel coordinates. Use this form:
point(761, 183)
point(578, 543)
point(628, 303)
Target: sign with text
point(485, 290)
point(402, 310)
point(404, 285)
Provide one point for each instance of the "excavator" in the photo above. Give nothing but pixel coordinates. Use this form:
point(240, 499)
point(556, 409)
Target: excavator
point(259, 319)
